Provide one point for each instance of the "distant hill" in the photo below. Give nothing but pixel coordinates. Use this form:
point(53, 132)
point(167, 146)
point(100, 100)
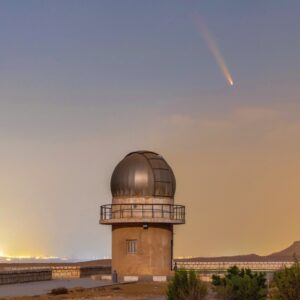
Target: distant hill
point(290, 251)
point(284, 255)
point(26, 264)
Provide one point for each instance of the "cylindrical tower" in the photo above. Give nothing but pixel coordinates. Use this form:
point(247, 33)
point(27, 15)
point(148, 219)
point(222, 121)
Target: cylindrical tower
point(142, 215)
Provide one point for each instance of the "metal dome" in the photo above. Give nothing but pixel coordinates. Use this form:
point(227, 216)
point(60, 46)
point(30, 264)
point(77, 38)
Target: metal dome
point(143, 174)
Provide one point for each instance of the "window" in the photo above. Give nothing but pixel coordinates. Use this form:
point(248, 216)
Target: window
point(131, 246)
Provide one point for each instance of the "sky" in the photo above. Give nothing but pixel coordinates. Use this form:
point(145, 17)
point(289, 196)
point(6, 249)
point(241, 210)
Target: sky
point(82, 83)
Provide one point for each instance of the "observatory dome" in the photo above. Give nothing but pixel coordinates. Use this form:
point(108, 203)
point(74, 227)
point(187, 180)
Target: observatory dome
point(143, 174)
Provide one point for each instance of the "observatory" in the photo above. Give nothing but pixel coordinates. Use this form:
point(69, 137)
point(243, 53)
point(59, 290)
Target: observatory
point(142, 215)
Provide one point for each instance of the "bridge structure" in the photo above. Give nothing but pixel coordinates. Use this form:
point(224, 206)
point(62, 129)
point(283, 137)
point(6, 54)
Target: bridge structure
point(222, 266)
point(205, 269)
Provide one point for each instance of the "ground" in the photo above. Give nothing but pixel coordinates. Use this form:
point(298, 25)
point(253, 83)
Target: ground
point(123, 291)
point(136, 291)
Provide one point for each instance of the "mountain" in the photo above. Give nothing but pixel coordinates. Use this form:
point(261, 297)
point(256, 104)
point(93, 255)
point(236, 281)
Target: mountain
point(290, 251)
point(283, 255)
point(25, 263)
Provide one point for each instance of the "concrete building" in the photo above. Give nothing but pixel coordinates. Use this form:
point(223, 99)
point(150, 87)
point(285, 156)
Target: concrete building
point(142, 215)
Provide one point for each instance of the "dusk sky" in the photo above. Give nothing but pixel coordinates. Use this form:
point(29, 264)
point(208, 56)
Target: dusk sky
point(82, 83)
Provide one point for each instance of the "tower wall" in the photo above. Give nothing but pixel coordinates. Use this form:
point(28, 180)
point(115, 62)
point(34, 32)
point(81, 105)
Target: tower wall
point(154, 248)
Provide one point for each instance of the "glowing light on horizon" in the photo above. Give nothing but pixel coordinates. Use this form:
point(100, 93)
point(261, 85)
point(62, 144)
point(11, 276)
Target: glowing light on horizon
point(42, 257)
point(212, 45)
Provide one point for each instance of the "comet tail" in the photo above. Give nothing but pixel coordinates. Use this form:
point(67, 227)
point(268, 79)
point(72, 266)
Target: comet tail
point(214, 48)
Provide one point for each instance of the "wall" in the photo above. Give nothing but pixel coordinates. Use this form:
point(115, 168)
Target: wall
point(65, 272)
point(9, 277)
point(89, 271)
point(78, 272)
point(153, 255)
point(61, 272)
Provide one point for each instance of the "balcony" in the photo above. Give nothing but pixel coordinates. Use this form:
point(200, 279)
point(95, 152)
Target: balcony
point(142, 213)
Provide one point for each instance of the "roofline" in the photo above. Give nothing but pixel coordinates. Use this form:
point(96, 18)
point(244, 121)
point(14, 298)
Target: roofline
point(142, 152)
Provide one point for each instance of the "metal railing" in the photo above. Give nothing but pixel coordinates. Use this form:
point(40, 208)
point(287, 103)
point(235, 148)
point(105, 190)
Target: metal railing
point(137, 211)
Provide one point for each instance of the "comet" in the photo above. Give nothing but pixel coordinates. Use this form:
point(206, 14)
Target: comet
point(213, 47)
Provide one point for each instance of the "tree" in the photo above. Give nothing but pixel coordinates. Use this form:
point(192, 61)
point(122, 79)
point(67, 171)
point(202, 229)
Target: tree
point(186, 286)
point(286, 283)
point(240, 284)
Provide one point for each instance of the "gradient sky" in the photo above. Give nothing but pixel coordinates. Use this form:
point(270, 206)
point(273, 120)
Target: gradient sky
point(82, 83)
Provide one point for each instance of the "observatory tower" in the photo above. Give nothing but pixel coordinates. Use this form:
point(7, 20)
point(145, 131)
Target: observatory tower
point(142, 215)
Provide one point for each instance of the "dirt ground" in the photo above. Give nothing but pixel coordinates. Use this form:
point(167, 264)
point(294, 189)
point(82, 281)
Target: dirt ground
point(136, 291)
point(155, 291)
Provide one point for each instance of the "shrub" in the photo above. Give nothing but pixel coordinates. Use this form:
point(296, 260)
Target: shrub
point(240, 284)
point(59, 291)
point(186, 286)
point(286, 283)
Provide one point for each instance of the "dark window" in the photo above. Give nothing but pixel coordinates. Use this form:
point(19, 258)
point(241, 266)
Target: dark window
point(131, 246)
